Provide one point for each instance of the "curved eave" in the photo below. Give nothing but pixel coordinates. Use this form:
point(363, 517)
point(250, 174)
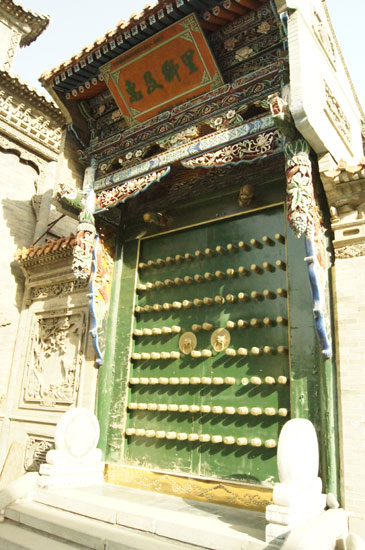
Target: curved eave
point(32, 23)
point(83, 68)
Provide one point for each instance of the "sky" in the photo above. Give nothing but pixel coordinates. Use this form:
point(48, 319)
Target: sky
point(78, 23)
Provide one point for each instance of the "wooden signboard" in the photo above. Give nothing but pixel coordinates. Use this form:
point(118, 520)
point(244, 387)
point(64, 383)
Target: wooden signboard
point(169, 68)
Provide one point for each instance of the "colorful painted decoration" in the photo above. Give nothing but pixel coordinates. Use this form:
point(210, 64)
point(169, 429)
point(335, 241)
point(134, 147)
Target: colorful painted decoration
point(186, 151)
point(82, 255)
point(247, 150)
point(172, 66)
point(317, 293)
point(120, 193)
point(99, 295)
point(300, 195)
point(303, 213)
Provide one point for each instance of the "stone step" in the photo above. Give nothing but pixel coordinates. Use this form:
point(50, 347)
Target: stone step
point(108, 517)
point(16, 537)
point(33, 526)
point(192, 522)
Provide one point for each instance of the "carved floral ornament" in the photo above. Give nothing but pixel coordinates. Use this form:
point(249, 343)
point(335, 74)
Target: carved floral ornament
point(35, 452)
point(337, 116)
point(58, 289)
point(248, 149)
point(350, 251)
point(225, 120)
point(120, 193)
point(325, 39)
point(304, 216)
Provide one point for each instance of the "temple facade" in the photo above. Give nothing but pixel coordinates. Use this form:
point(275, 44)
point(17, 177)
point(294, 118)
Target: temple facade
point(217, 177)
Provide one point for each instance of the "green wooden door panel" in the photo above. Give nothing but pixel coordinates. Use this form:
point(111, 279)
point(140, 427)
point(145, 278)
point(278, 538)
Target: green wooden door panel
point(121, 354)
point(244, 377)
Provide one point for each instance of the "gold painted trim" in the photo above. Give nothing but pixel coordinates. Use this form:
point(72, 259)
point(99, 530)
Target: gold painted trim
point(229, 493)
point(212, 220)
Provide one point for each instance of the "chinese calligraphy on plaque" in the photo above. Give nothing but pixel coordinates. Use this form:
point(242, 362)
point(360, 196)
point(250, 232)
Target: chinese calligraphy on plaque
point(168, 68)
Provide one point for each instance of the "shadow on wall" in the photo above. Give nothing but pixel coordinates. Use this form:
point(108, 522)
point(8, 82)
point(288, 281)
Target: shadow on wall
point(16, 231)
point(20, 220)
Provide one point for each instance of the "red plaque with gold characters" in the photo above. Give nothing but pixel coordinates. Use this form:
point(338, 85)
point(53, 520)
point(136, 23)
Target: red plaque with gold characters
point(169, 68)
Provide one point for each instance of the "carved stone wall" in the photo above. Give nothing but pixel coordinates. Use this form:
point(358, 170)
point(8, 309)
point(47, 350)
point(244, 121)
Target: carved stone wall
point(18, 116)
point(58, 289)
point(30, 135)
point(324, 107)
point(54, 360)
point(43, 339)
point(35, 452)
point(6, 39)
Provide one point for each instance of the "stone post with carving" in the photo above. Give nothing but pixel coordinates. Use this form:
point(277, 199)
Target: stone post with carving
point(76, 460)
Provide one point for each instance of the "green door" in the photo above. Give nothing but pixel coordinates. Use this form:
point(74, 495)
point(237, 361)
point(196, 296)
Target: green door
point(208, 386)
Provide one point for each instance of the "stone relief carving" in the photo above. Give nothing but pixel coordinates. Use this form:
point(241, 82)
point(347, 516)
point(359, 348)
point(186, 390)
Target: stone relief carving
point(60, 289)
point(54, 360)
point(347, 213)
point(336, 115)
point(13, 46)
point(351, 251)
point(35, 453)
point(324, 39)
point(30, 122)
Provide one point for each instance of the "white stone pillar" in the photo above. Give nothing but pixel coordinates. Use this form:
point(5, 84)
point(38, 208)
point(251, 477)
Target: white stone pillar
point(298, 497)
point(76, 460)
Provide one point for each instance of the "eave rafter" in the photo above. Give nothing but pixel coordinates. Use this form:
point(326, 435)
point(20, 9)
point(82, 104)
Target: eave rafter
point(79, 78)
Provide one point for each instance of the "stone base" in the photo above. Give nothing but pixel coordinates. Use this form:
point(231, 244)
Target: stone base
point(66, 475)
point(283, 519)
point(284, 515)
point(275, 531)
point(326, 531)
